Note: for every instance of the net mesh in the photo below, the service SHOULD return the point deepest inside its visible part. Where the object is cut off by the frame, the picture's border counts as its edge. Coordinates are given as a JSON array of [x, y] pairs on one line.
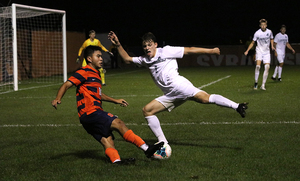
[[39, 48]]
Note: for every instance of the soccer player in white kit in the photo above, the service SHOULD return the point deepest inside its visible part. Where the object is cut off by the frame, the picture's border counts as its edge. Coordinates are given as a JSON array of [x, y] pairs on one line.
[[263, 37], [281, 41], [163, 68]]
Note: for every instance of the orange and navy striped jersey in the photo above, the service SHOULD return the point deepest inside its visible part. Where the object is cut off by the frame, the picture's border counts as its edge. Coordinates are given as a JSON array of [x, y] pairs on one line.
[[88, 93]]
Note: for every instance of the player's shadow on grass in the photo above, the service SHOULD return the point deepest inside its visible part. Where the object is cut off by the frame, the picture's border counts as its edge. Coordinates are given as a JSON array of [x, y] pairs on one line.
[[199, 145], [82, 154]]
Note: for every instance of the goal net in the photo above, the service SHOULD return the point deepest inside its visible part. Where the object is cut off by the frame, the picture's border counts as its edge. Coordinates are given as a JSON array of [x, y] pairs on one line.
[[32, 47]]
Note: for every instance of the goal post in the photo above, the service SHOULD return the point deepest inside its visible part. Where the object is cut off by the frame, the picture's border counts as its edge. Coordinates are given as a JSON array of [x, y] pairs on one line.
[[32, 48]]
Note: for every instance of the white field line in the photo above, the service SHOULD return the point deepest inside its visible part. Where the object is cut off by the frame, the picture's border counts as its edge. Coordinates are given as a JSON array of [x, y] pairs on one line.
[[62, 83], [213, 82], [163, 124]]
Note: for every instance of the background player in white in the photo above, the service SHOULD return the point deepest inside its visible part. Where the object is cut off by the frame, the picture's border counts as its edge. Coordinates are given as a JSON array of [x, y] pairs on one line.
[[263, 37], [281, 41], [163, 67]]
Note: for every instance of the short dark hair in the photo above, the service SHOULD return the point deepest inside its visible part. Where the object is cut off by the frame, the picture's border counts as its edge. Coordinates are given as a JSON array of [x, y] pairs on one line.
[[89, 51], [283, 26], [92, 31], [148, 37], [263, 21]]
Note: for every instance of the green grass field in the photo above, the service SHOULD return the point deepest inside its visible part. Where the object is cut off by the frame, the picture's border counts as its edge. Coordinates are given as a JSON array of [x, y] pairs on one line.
[[208, 142]]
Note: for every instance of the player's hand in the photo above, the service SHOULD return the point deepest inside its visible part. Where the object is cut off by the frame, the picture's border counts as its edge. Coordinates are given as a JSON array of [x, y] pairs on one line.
[[293, 51], [246, 53], [216, 51], [78, 60], [275, 53], [113, 38], [55, 102], [122, 102]]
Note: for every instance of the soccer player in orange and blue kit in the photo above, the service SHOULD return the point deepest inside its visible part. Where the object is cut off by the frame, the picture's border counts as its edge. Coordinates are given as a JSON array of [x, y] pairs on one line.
[[93, 118], [95, 42]]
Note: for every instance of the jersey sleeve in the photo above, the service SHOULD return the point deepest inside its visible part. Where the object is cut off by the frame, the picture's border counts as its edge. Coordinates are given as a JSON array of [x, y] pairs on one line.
[[173, 52], [276, 38], [138, 61], [78, 77], [83, 46], [255, 37], [271, 35]]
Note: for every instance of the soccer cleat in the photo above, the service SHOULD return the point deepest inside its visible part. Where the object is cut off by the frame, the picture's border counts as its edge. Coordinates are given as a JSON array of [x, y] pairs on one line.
[[279, 79], [128, 161], [263, 88], [255, 86], [241, 109], [153, 148], [273, 78]]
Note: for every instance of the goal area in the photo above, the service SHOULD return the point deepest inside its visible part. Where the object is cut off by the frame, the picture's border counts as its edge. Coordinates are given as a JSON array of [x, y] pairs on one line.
[[32, 47]]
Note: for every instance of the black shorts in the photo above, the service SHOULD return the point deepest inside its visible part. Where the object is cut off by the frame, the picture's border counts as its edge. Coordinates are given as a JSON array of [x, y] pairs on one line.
[[98, 124]]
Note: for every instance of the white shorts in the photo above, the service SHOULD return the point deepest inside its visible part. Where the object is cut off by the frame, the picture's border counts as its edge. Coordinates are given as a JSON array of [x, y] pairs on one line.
[[265, 58], [280, 58], [181, 93]]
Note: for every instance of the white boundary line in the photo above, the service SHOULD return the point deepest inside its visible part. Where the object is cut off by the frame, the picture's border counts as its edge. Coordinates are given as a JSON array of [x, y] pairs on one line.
[[62, 82], [201, 87], [163, 124]]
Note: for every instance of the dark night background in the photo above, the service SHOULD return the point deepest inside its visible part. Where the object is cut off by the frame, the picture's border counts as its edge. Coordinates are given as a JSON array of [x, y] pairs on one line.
[[185, 22]]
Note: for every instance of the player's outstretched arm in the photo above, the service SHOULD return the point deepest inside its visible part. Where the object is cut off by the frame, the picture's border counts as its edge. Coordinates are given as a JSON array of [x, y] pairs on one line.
[[198, 50], [114, 39], [61, 92], [122, 102]]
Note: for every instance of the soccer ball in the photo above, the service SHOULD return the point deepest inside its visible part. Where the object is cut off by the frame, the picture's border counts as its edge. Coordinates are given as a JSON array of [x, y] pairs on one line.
[[163, 153]]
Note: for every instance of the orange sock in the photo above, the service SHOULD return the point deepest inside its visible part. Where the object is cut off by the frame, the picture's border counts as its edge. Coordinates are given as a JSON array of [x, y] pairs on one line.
[[112, 154], [133, 138]]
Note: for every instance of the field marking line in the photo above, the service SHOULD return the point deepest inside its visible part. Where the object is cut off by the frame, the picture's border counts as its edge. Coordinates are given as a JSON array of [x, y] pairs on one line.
[[213, 82], [163, 124], [62, 82]]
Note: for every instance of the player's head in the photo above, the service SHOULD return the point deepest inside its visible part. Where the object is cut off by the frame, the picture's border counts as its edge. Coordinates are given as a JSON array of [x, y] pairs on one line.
[[149, 44], [263, 24], [93, 56], [283, 29], [92, 34]]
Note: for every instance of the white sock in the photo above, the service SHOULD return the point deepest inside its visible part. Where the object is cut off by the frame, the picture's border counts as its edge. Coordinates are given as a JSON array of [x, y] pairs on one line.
[[256, 75], [144, 147], [222, 101], [279, 72], [154, 125], [275, 72], [266, 73]]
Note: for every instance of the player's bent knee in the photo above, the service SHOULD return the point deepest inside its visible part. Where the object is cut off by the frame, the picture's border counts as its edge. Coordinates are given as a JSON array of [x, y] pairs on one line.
[[119, 125], [202, 97]]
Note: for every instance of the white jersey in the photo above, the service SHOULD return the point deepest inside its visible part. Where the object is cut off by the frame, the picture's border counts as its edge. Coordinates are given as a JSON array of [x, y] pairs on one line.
[[281, 40], [163, 67], [262, 39]]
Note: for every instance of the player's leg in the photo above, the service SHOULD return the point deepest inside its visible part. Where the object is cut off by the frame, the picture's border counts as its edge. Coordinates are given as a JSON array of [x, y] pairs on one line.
[[275, 73], [110, 150], [280, 71], [281, 62], [150, 111], [203, 97], [102, 75], [129, 136], [256, 73], [266, 61]]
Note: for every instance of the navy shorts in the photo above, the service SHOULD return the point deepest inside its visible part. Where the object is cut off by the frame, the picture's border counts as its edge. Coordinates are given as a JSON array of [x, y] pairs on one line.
[[98, 124]]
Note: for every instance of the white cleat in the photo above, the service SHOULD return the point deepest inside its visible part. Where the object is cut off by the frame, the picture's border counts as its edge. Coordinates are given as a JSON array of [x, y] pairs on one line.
[[263, 87]]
